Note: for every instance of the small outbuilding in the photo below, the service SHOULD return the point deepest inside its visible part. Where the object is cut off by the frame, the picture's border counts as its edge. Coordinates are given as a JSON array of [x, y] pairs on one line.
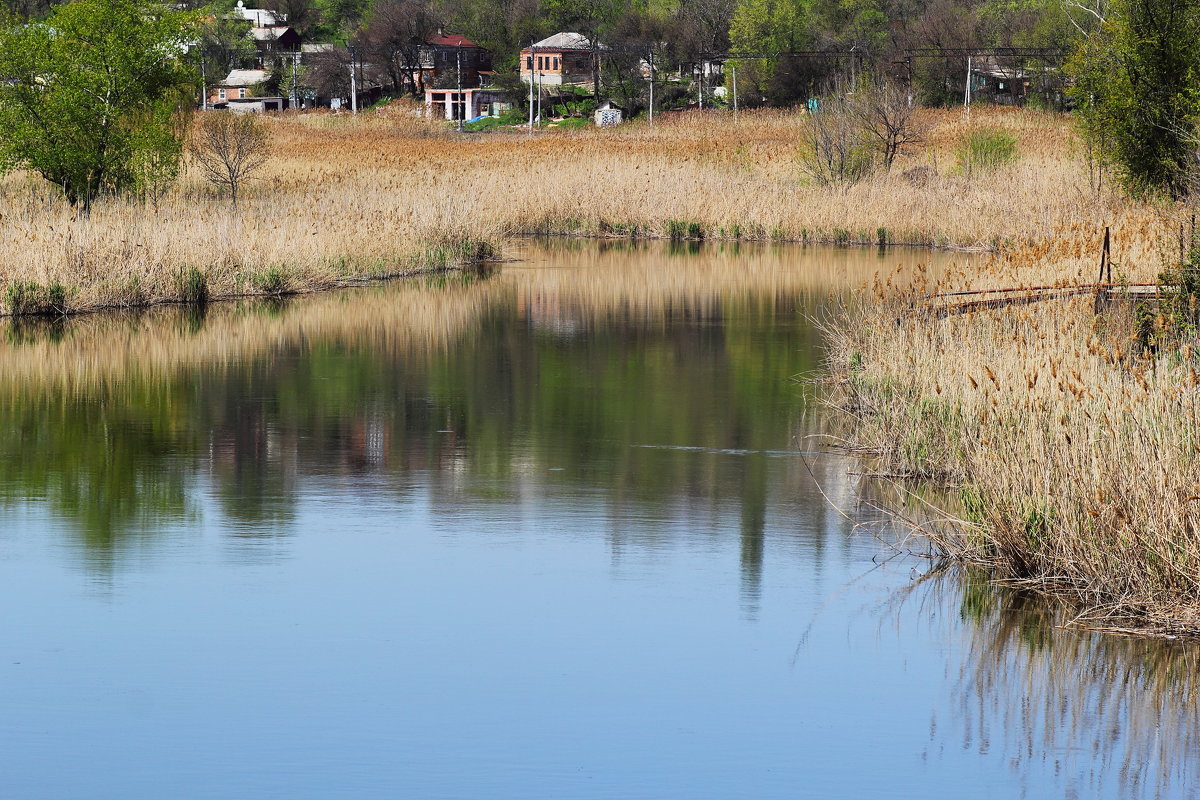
[[609, 114], [238, 85]]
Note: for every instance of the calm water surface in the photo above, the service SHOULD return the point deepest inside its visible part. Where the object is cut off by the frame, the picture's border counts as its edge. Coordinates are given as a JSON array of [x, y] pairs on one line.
[[561, 532]]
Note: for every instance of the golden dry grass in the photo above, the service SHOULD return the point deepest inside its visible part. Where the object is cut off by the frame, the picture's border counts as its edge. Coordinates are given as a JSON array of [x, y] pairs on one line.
[[386, 192], [1073, 455]]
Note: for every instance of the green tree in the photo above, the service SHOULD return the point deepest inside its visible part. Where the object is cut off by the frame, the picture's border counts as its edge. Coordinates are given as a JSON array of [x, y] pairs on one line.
[[766, 26], [86, 90], [1137, 81]]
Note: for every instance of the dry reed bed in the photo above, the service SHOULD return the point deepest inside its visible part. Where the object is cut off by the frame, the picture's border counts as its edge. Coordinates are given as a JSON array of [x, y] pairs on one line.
[[386, 192], [1075, 458]]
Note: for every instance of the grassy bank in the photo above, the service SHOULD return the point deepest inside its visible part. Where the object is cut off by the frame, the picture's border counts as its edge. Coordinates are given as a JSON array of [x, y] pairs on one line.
[[1071, 453], [345, 198]]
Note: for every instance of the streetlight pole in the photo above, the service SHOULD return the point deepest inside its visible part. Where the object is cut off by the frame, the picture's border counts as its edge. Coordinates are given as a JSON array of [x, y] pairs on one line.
[[294, 100], [735, 108]]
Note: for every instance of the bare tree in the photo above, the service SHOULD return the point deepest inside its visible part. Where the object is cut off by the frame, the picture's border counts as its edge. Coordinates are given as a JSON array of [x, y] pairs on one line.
[[230, 148], [888, 117], [394, 39]]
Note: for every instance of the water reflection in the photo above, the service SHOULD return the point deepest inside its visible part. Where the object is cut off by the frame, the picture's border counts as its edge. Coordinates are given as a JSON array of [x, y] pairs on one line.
[[633, 402], [1073, 713], [113, 420]]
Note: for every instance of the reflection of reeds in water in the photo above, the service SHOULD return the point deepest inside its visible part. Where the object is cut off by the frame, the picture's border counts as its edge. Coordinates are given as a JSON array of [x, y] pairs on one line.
[[1107, 716], [411, 318], [645, 281], [416, 317]]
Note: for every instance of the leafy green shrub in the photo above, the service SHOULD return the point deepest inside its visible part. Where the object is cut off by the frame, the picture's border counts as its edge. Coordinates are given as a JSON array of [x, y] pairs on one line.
[[30, 297], [985, 149], [193, 287], [272, 280]]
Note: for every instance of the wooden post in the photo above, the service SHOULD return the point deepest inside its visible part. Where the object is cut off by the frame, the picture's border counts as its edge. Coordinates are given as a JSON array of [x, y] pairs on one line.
[[1104, 262], [1107, 255]]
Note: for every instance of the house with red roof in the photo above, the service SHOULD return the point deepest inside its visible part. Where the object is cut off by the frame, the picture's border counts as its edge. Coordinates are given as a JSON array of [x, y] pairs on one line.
[[450, 60]]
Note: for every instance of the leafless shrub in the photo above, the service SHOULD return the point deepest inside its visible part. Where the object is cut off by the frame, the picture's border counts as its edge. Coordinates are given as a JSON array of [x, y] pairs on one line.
[[229, 149], [834, 147]]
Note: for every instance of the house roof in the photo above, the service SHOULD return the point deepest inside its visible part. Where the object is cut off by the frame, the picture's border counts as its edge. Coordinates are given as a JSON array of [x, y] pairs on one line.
[[450, 40], [244, 77], [567, 41], [269, 34]]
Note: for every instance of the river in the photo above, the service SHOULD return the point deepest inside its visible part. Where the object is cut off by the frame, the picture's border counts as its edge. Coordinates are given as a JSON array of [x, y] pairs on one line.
[[568, 530]]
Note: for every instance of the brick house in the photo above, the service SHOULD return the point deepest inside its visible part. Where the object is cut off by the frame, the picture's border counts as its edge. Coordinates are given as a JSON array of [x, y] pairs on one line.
[[440, 59], [237, 85], [562, 59]]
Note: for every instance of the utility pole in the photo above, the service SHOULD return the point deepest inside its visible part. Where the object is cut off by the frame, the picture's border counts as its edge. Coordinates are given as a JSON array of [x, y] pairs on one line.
[[353, 85], [700, 92], [203, 83], [462, 102], [967, 90], [651, 62], [734, 90], [294, 100], [532, 56]]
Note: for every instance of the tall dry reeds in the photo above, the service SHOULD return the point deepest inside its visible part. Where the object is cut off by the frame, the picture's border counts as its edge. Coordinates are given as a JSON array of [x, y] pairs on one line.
[[1071, 453], [387, 192]]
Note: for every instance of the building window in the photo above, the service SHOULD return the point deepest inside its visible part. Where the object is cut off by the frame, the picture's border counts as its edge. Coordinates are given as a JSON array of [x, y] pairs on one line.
[[529, 63], [220, 94], [556, 62], [241, 93]]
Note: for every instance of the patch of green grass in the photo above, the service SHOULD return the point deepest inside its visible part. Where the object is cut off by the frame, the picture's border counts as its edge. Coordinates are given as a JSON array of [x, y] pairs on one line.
[[30, 297], [193, 287], [272, 281], [985, 149]]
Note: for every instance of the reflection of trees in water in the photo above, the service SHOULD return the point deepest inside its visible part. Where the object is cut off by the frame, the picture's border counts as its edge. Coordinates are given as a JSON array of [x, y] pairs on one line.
[[1108, 716], [453, 387]]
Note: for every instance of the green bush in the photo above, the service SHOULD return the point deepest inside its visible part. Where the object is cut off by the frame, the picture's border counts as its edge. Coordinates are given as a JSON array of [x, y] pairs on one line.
[[30, 297], [985, 149], [272, 280], [193, 287]]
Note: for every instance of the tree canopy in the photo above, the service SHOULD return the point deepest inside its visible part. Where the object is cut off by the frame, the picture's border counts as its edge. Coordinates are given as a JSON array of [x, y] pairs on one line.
[[88, 93]]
